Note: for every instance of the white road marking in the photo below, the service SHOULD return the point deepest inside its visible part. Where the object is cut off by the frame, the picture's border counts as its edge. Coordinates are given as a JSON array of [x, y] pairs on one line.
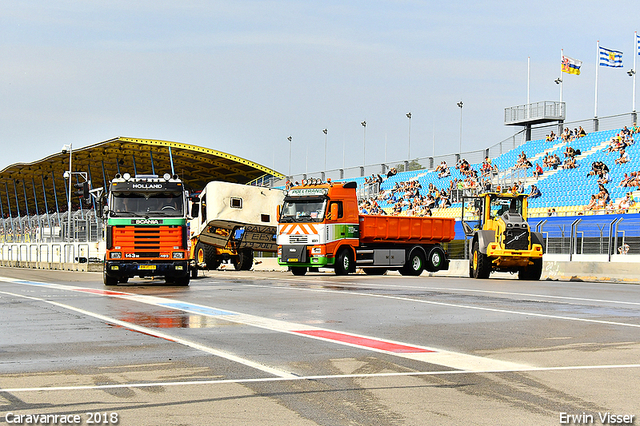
[[457, 305], [323, 377], [162, 335]]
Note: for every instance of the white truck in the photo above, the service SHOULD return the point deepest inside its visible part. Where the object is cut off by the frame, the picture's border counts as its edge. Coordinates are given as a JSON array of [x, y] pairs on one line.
[[230, 222]]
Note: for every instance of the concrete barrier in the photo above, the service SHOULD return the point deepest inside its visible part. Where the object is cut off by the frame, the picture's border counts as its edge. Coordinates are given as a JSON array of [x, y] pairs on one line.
[[622, 269], [566, 270]]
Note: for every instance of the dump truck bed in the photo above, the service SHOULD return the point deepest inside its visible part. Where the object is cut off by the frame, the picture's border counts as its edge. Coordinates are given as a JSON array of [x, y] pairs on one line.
[[406, 229]]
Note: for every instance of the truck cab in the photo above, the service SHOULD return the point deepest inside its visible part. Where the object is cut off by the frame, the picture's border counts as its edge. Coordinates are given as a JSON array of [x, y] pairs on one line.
[[316, 222]]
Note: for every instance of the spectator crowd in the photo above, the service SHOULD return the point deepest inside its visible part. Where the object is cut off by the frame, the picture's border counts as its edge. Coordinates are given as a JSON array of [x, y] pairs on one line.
[[410, 198]]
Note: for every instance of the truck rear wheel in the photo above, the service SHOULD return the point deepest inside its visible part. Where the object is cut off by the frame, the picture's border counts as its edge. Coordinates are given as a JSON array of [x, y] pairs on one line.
[[344, 260], [435, 259], [414, 265], [480, 263], [244, 260], [531, 272]]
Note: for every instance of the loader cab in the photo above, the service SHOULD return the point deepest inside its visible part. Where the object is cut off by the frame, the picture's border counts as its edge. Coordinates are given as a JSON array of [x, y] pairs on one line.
[[492, 211]]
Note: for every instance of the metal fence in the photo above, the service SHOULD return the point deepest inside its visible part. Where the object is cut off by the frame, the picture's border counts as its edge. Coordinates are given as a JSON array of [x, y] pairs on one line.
[[605, 235], [52, 228]]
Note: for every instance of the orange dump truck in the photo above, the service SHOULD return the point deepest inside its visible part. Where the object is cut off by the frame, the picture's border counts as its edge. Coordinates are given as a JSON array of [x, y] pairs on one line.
[[320, 226]]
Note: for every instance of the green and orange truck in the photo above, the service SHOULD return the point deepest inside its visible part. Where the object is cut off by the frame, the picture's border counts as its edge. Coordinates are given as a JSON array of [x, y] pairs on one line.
[[320, 226]]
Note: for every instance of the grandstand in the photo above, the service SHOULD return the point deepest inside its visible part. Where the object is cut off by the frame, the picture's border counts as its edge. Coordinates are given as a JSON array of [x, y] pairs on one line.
[[567, 191]]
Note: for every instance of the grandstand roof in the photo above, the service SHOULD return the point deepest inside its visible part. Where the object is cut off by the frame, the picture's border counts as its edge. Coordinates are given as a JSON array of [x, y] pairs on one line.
[[194, 164]]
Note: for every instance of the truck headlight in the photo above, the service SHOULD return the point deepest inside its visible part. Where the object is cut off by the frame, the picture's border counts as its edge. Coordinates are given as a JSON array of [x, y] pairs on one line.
[[178, 255], [116, 255]]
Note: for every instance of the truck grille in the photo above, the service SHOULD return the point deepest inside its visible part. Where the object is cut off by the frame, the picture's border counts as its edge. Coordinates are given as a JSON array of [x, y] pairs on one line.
[[298, 239], [147, 241], [516, 239]]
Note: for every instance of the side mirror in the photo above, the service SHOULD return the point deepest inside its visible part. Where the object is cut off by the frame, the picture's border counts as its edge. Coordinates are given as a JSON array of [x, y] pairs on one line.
[[467, 229], [278, 212], [195, 209], [100, 207], [334, 211]]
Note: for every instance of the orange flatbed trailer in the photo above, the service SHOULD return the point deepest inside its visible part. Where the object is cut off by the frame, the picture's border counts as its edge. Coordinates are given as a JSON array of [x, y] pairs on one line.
[[406, 229]]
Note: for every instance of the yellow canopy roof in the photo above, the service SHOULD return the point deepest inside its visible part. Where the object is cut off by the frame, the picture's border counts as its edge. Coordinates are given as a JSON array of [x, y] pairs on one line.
[[195, 165]]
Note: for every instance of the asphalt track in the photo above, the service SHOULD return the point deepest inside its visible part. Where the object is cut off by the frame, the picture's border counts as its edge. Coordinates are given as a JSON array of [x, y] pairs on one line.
[[268, 348]]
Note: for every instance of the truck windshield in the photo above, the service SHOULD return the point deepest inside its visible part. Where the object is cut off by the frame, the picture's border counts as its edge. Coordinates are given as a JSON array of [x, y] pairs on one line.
[[139, 204], [303, 211]]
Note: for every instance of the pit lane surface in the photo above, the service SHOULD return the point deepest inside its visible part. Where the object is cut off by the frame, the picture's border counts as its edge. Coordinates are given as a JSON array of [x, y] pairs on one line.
[[271, 348]]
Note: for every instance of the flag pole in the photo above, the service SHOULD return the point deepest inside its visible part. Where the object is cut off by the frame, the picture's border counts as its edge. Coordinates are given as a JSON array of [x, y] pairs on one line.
[[528, 85], [595, 114], [561, 77]]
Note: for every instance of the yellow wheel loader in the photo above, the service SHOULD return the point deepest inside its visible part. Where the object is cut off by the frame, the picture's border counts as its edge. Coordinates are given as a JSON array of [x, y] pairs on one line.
[[501, 239]]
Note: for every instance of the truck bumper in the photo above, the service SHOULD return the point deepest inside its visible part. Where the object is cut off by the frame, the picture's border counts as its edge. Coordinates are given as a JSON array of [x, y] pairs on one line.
[[119, 269], [313, 262]]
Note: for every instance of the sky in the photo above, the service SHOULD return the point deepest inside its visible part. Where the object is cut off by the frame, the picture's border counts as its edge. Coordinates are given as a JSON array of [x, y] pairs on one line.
[[242, 76]]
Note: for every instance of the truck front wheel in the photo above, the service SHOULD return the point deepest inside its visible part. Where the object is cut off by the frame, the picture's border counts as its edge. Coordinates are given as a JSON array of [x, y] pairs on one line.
[[183, 281], [298, 270], [344, 260], [108, 280]]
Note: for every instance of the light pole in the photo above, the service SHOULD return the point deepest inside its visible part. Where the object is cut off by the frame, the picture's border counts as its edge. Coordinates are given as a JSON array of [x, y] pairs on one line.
[[289, 139], [325, 149], [67, 175], [364, 144], [632, 72], [409, 117], [559, 81], [460, 150]]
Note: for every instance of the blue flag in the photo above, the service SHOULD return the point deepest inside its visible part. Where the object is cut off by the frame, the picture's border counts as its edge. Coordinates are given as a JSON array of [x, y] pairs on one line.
[[610, 58]]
